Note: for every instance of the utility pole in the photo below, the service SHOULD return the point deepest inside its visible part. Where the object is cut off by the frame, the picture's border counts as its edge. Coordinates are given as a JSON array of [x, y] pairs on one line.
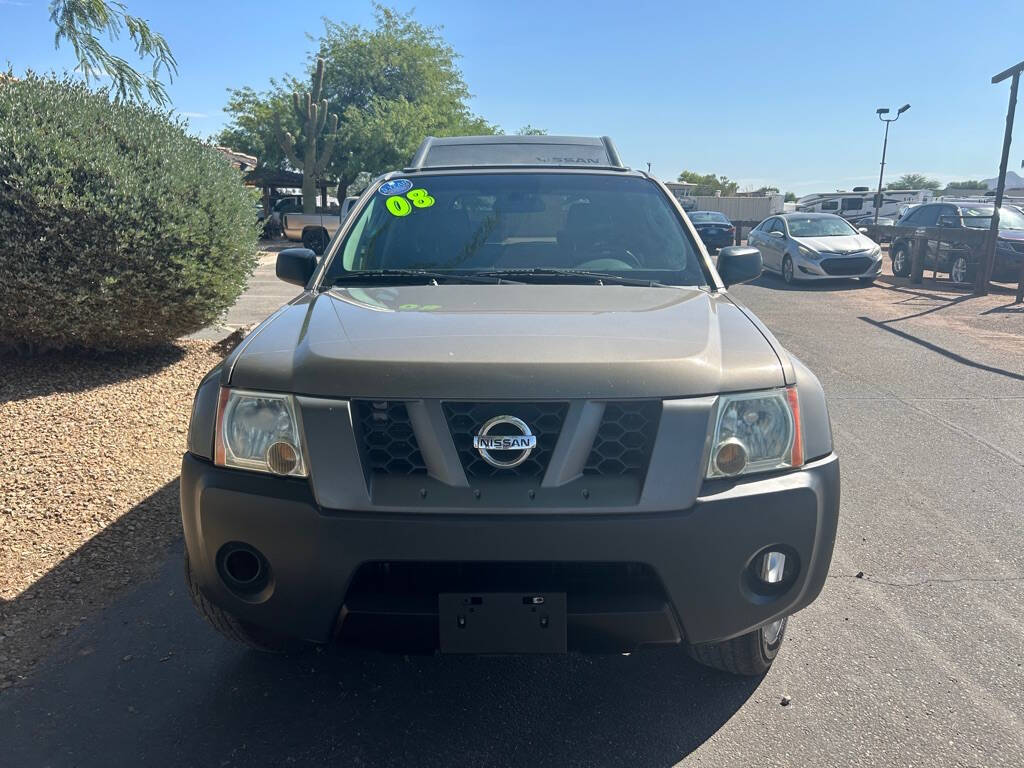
[[988, 260], [885, 144]]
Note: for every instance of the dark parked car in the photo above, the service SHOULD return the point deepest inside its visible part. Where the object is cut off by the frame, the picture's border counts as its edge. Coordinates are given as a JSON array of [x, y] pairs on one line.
[[957, 258], [514, 409], [714, 228]]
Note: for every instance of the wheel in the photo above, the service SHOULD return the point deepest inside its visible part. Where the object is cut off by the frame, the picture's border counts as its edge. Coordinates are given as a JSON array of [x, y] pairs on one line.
[[866, 281], [232, 627], [749, 655], [961, 271], [901, 261], [316, 240], [787, 270]]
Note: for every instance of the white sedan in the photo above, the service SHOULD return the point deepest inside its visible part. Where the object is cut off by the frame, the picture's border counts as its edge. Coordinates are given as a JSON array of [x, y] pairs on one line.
[[815, 246]]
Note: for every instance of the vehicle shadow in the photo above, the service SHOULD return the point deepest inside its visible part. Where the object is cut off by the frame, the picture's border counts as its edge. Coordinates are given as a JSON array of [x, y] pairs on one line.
[[776, 283], [146, 681], [69, 371]]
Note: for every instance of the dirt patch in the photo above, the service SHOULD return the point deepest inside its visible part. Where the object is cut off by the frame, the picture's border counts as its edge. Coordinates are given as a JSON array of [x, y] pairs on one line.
[[88, 499]]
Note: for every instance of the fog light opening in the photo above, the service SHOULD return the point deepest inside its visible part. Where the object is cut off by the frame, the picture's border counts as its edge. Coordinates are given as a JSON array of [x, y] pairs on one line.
[[731, 457], [243, 566], [773, 567]]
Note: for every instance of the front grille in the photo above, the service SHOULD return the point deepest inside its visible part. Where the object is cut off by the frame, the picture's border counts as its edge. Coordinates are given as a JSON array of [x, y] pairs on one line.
[[466, 420], [388, 442], [625, 438], [852, 266]]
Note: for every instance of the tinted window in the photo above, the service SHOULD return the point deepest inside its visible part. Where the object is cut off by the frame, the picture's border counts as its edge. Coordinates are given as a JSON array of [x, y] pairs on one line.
[[704, 216], [830, 205], [519, 221], [927, 216], [853, 203]]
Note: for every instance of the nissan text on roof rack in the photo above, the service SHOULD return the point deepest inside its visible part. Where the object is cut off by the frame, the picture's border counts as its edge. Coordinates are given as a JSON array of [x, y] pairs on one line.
[[514, 410]]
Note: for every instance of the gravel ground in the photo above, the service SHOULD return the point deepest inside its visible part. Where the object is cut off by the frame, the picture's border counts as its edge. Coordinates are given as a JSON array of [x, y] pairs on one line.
[[87, 440]]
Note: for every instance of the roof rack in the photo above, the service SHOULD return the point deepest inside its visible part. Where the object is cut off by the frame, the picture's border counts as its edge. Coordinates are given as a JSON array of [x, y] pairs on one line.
[[516, 151]]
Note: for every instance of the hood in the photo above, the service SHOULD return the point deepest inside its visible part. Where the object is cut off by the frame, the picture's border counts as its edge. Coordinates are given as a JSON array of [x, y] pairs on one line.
[[507, 342], [1014, 235], [841, 244]]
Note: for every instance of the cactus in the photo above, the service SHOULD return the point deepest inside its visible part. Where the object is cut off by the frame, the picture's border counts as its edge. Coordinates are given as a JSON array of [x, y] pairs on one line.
[[312, 113]]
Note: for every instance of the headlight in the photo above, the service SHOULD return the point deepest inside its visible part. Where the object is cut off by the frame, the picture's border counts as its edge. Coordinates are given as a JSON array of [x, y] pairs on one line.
[[808, 253], [756, 432], [875, 252], [258, 431]]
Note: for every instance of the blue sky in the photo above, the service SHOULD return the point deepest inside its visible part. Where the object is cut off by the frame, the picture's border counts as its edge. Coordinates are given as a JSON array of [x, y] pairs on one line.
[[780, 93]]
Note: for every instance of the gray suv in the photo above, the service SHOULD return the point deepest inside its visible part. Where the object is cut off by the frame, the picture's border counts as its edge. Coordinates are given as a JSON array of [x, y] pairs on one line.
[[515, 409]]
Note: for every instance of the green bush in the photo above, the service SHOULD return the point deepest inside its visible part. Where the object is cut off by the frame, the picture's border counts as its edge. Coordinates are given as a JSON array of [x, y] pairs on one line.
[[118, 230]]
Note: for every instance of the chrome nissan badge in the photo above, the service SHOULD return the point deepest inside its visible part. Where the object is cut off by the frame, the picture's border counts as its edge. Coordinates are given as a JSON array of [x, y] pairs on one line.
[[513, 437]]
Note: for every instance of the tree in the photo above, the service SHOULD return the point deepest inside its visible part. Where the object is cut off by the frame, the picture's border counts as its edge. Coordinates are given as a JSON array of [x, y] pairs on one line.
[[311, 110], [914, 181], [973, 185], [789, 198], [392, 85], [529, 130], [82, 22], [709, 184]]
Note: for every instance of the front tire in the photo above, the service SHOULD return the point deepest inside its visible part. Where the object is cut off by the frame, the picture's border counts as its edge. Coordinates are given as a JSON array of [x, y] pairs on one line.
[[787, 271], [231, 626], [749, 655], [901, 261]]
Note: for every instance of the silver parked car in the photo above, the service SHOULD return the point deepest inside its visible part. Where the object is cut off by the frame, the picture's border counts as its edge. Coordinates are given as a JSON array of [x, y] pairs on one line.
[[815, 246]]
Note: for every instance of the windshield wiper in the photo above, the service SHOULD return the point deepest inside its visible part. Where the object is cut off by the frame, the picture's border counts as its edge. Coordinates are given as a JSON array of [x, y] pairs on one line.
[[425, 275], [597, 277]]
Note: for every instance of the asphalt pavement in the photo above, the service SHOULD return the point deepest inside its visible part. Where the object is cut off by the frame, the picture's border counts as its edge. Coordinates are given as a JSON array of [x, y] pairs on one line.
[[911, 656]]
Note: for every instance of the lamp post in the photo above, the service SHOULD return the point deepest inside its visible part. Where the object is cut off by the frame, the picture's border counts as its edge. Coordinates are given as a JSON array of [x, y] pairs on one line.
[[881, 112]]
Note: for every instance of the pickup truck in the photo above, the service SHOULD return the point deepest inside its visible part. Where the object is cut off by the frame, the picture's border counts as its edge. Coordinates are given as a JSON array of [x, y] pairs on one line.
[[315, 230], [515, 409]]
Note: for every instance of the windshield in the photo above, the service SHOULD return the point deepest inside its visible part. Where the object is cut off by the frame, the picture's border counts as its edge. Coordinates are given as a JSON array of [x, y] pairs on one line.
[[819, 226], [702, 216], [981, 218], [494, 222]]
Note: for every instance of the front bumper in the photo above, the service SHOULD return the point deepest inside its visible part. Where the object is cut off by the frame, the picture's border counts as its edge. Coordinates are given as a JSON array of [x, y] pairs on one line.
[[701, 555], [836, 267]]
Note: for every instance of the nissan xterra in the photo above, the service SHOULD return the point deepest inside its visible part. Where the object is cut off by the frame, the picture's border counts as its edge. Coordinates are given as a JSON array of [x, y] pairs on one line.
[[514, 409]]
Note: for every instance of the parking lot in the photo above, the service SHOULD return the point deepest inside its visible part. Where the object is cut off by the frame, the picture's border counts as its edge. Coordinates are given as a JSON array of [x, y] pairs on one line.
[[912, 655]]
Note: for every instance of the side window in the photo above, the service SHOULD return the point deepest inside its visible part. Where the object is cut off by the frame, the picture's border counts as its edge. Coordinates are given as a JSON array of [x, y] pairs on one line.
[[830, 205], [949, 216], [853, 203], [910, 217], [927, 216], [777, 226]]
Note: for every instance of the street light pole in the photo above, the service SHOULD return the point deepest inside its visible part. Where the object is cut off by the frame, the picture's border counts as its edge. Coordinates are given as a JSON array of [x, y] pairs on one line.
[[885, 145]]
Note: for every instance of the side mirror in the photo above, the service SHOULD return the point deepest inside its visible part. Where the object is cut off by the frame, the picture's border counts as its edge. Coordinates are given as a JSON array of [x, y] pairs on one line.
[[864, 230], [296, 265], [739, 264]]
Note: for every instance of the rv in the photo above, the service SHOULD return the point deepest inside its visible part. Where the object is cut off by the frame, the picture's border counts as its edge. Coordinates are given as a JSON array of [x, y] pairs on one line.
[[858, 206]]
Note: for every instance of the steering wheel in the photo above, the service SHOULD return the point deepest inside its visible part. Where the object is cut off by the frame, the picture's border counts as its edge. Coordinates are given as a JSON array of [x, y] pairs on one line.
[[605, 265], [613, 253]]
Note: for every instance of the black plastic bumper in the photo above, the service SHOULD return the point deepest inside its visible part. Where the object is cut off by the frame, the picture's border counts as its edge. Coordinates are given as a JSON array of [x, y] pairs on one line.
[[702, 556]]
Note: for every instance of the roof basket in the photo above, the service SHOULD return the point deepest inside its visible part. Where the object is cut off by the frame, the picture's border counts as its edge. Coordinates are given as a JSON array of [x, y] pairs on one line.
[[513, 151]]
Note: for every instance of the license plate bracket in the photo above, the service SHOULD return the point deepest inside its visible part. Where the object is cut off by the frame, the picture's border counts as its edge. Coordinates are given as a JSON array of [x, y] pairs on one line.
[[502, 622]]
